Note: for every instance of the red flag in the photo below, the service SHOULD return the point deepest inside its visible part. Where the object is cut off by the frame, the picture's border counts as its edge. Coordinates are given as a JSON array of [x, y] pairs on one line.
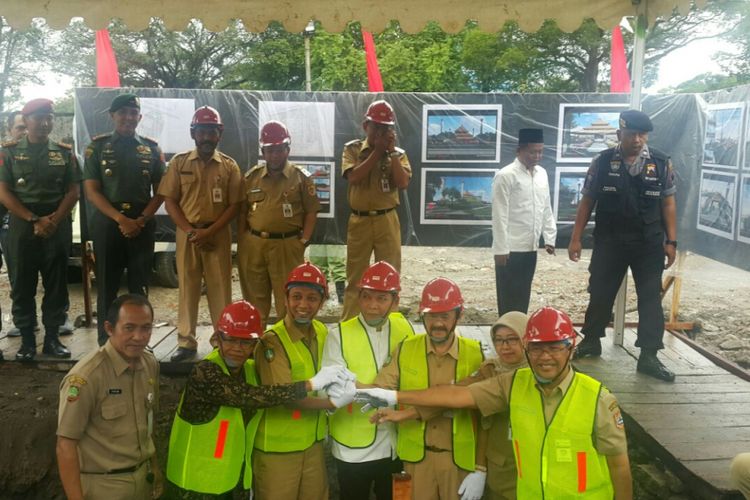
[[106, 63], [620, 79], [374, 80]]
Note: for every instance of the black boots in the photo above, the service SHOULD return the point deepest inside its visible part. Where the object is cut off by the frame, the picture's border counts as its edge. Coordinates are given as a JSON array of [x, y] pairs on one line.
[[649, 364], [590, 347], [53, 347]]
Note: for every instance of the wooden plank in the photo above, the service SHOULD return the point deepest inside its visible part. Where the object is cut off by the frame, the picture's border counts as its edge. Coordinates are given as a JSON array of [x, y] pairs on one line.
[[708, 451], [742, 408], [691, 423], [159, 334], [706, 434], [627, 398], [714, 471], [646, 384]]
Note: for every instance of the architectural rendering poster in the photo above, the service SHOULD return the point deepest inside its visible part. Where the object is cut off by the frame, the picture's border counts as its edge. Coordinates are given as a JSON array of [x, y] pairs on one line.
[[461, 133], [322, 173], [568, 186], [584, 130], [743, 227], [721, 146], [716, 203], [167, 120], [456, 196], [311, 125]]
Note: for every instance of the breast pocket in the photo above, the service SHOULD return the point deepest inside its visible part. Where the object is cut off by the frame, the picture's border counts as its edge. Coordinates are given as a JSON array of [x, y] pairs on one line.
[[255, 195], [113, 413]]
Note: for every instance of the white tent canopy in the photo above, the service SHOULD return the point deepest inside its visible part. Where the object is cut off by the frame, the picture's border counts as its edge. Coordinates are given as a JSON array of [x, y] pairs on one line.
[[334, 14]]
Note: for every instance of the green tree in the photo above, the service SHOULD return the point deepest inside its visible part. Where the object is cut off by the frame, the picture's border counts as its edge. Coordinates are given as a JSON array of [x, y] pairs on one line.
[[21, 53]]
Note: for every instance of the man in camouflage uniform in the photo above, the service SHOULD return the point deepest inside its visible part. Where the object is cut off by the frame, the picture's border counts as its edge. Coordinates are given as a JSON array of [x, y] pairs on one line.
[[39, 186], [121, 170]]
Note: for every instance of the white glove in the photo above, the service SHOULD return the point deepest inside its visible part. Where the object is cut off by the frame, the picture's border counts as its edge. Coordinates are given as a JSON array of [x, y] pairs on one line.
[[472, 487], [376, 398], [328, 375], [343, 395]]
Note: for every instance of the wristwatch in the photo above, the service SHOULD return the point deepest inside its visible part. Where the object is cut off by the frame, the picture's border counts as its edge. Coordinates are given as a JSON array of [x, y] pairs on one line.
[[671, 242], [34, 218], [304, 241]]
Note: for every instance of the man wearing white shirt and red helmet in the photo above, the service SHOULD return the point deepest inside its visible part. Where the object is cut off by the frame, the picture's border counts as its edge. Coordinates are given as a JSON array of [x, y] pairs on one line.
[[521, 213]]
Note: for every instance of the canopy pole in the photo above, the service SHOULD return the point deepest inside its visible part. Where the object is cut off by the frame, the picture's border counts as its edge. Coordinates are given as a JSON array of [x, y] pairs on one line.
[[639, 54]]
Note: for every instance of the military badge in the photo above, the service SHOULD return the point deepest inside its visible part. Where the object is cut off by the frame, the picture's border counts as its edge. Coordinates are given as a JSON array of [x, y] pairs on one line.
[[73, 394], [144, 150], [614, 165], [311, 189], [651, 170], [89, 152]]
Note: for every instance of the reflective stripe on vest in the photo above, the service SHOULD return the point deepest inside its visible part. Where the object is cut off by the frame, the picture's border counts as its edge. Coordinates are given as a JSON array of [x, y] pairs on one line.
[[349, 426], [414, 375], [558, 460], [208, 458], [284, 430]]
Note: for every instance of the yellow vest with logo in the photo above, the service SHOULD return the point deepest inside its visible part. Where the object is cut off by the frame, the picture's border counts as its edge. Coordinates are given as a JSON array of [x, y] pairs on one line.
[[349, 426], [208, 458], [557, 461], [414, 375], [284, 430]]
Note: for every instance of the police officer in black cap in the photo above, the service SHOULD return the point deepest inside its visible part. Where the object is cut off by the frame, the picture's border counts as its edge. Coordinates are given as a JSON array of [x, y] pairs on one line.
[[39, 186], [632, 188], [121, 176]]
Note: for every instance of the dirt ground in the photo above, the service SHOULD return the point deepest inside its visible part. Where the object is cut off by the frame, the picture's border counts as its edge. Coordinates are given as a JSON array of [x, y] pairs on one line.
[[713, 295]]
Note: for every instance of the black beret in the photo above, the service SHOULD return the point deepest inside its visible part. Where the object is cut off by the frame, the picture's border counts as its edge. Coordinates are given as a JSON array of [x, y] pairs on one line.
[[530, 136], [636, 120], [125, 100], [38, 106]]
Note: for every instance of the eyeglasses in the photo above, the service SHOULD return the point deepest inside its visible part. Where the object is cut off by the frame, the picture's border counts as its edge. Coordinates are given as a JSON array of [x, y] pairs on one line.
[[235, 341], [510, 341], [552, 349]]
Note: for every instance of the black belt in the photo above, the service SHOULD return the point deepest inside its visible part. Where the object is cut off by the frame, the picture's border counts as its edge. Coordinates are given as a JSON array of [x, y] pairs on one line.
[[435, 450], [128, 207], [365, 213], [42, 209], [124, 470], [273, 236], [202, 225]]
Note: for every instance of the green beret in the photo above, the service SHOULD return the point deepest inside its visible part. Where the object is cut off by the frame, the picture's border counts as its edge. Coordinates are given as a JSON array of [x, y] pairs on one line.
[[38, 107], [636, 120], [125, 100]]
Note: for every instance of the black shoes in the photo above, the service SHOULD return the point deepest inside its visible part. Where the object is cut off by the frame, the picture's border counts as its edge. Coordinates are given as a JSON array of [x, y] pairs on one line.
[[53, 347], [182, 354], [26, 353], [590, 347], [649, 364]]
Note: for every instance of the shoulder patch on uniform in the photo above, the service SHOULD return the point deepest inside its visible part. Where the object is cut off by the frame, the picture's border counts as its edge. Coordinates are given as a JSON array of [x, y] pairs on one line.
[[64, 145], [302, 169], [9, 144], [352, 143], [102, 136], [252, 170]]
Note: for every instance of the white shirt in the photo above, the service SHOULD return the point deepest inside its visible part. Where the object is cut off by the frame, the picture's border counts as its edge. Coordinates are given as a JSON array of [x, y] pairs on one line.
[[385, 438], [521, 209]]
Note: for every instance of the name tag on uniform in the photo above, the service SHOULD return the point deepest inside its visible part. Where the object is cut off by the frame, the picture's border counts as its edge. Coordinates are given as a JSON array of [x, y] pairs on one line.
[[286, 209], [385, 186], [115, 391], [217, 195]]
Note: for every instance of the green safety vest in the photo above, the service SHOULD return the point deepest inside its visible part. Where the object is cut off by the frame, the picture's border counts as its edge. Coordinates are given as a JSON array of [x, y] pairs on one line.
[[414, 375], [557, 460], [349, 426], [284, 430], [208, 458]]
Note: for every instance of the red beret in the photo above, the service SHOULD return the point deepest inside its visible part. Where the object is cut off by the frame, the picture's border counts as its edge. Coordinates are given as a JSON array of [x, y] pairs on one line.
[[38, 106]]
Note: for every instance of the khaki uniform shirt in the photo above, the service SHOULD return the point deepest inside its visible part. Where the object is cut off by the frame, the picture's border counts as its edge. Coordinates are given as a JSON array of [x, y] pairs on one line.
[[369, 194], [104, 405], [270, 357], [442, 369], [493, 396], [203, 191], [266, 197]]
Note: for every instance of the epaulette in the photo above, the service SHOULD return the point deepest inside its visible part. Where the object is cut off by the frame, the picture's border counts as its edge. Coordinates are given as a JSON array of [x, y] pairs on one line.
[[352, 143], [149, 139], [9, 144], [64, 145], [179, 155], [254, 169], [302, 170], [101, 136], [659, 155]]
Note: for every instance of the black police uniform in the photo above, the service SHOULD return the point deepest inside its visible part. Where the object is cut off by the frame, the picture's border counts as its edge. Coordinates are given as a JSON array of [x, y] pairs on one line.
[[126, 168], [39, 175], [629, 232]]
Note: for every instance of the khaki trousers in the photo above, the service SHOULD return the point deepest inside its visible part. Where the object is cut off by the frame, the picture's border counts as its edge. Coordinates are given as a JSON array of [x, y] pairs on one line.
[[194, 265], [132, 486], [299, 475], [436, 477], [501, 480], [264, 265], [367, 234]]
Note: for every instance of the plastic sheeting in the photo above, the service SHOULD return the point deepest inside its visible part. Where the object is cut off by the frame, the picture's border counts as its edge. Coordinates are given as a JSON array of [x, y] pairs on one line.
[[456, 142], [334, 14]]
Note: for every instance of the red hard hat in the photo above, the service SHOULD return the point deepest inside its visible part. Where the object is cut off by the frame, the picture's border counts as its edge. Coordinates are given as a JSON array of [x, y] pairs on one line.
[[381, 112], [549, 325], [206, 115], [440, 295], [381, 277], [274, 133], [308, 274], [240, 319]]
